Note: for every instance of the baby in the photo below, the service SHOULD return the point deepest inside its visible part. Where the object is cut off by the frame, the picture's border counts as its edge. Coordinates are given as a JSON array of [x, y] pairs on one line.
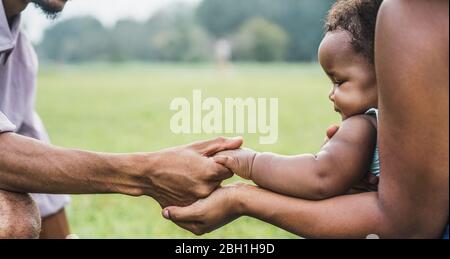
[[347, 57]]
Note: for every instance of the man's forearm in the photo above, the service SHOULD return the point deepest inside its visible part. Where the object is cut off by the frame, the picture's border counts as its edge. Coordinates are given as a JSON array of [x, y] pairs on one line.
[[27, 165], [352, 216]]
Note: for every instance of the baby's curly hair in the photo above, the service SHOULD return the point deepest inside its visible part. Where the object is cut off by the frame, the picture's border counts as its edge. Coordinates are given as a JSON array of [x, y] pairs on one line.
[[359, 18]]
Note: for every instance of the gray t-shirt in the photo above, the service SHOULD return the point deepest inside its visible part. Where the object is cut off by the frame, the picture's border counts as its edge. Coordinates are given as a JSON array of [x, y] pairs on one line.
[[18, 71]]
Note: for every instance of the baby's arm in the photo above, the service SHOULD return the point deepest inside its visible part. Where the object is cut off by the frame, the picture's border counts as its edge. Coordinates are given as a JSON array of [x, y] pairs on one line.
[[342, 162]]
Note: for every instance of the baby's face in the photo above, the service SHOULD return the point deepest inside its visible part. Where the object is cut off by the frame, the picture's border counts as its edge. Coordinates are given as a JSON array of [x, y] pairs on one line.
[[354, 81]]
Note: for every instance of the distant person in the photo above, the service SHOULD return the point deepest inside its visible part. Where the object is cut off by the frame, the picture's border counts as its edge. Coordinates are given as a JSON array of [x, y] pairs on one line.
[[309, 192], [223, 53], [28, 164]]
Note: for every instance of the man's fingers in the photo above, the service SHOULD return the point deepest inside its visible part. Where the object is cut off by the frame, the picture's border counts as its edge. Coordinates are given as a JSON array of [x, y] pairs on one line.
[[180, 214], [222, 144], [211, 147]]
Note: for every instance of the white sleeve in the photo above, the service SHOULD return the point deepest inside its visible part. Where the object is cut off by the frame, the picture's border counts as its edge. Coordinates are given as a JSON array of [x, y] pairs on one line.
[[5, 124]]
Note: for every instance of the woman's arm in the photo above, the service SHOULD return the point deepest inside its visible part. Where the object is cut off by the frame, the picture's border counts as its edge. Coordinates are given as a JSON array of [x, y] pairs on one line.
[[412, 64], [352, 216]]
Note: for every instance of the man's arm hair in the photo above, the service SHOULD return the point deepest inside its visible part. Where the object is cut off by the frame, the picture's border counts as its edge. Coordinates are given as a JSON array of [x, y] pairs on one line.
[[173, 176], [30, 166]]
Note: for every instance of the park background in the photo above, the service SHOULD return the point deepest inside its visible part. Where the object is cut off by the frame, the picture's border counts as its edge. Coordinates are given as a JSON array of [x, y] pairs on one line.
[[108, 75]]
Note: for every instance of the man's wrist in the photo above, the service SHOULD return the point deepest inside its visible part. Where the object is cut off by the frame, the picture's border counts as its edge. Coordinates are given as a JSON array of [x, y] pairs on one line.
[[131, 174]]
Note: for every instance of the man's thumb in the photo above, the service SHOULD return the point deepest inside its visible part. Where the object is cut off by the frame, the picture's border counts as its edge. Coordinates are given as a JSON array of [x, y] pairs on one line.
[[166, 213], [177, 214]]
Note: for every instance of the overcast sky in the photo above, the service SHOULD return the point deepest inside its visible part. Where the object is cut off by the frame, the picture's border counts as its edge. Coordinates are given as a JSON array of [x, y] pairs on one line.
[[107, 11]]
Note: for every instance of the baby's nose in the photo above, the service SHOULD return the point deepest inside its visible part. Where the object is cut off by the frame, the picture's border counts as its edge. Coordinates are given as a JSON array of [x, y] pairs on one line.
[[331, 95]]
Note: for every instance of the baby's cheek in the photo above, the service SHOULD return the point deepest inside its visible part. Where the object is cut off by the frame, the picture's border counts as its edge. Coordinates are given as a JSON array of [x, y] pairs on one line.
[[347, 106], [341, 101]]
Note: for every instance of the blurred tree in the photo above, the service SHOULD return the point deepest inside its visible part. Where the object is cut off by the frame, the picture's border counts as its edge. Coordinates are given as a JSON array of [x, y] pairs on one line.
[[181, 32], [176, 36], [260, 40], [129, 41], [301, 19], [77, 39], [222, 18], [172, 34]]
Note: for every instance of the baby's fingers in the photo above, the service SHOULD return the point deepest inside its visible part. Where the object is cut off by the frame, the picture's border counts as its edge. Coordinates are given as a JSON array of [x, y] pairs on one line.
[[226, 161], [233, 165]]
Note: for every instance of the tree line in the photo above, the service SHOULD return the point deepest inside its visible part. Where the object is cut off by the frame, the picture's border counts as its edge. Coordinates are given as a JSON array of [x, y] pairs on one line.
[[257, 30]]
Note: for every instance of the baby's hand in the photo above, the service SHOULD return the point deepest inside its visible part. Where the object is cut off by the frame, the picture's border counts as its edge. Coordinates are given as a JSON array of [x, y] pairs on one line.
[[239, 161]]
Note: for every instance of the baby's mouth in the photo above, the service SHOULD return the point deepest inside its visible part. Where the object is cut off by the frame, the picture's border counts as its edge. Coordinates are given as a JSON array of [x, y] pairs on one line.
[[336, 109], [340, 113]]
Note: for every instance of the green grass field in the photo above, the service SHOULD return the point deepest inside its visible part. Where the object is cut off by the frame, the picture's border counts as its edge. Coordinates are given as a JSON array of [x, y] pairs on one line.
[[125, 108]]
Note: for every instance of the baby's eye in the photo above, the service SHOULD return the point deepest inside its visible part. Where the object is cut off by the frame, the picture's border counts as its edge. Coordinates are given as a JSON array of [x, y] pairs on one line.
[[338, 83]]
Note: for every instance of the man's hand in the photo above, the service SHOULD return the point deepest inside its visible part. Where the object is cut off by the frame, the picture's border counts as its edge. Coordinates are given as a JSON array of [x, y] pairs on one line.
[[175, 176], [208, 214], [239, 161], [185, 174]]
